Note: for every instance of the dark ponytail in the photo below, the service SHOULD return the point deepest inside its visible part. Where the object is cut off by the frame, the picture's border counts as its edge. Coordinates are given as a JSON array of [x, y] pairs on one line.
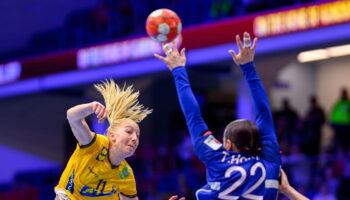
[[245, 135]]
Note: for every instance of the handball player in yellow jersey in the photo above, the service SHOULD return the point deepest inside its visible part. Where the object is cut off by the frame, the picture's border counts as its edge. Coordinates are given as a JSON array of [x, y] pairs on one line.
[[97, 169]]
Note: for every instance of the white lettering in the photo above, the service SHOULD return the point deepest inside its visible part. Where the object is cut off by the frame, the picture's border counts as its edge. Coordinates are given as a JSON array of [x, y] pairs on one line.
[[243, 159], [234, 159], [225, 154], [237, 159], [215, 185], [118, 52], [302, 18]]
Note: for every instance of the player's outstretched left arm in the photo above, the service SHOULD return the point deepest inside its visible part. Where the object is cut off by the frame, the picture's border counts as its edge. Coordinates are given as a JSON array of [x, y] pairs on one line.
[[263, 116], [176, 62]]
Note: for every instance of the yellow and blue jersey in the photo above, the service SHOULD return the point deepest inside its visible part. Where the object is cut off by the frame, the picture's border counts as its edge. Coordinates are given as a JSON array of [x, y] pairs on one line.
[[233, 175], [90, 174]]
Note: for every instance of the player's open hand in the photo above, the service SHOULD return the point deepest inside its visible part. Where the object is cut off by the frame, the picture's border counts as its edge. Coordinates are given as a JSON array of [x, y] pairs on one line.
[[173, 58], [100, 111], [246, 50], [175, 197]]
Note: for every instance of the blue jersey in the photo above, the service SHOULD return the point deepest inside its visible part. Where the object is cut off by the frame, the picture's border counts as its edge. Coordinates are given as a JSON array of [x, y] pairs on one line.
[[233, 175]]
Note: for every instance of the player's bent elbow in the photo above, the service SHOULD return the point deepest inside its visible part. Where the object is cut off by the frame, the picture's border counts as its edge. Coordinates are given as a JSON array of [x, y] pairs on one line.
[[70, 115]]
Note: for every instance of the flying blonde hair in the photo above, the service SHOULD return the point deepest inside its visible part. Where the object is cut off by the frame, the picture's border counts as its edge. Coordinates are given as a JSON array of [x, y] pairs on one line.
[[121, 103]]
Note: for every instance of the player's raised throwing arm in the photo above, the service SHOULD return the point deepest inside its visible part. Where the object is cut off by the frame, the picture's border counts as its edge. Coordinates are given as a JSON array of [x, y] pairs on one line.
[[76, 117], [263, 115], [176, 62]]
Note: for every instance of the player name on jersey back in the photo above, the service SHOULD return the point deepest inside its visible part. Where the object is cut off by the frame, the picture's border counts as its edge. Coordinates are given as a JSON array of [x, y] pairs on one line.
[[237, 158]]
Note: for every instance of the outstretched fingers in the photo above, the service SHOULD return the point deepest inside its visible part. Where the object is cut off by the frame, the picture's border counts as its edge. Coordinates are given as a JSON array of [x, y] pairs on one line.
[[183, 52], [167, 48], [239, 42], [246, 40], [234, 55], [173, 44], [254, 44], [159, 57]]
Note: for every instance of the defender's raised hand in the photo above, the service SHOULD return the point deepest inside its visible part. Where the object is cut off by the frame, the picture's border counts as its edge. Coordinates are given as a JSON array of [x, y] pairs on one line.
[[246, 50], [173, 58]]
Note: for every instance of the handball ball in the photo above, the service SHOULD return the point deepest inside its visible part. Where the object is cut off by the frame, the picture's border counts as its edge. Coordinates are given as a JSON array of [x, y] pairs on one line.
[[163, 25]]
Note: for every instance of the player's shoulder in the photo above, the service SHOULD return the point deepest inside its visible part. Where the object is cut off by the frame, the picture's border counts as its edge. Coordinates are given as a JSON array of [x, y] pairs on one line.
[[209, 140], [125, 163], [271, 164], [102, 139], [99, 145], [125, 170]]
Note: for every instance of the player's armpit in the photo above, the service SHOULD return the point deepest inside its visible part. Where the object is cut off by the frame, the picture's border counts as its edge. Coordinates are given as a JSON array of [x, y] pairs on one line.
[[81, 131], [91, 143]]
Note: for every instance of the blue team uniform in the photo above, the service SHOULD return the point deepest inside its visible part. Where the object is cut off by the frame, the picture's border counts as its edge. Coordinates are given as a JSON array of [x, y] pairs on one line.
[[233, 175]]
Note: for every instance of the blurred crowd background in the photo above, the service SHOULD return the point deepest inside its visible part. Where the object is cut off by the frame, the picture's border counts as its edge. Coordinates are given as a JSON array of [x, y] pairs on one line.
[[107, 20], [315, 142]]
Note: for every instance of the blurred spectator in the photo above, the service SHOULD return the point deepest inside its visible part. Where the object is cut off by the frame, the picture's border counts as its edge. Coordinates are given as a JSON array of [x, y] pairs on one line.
[[221, 9], [70, 143], [332, 180], [344, 183], [192, 12], [314, 120], [76, 29], [324, 194], [120, 18], [185, 149], [111, 19], [340, 120], [151, 192], [279, 3], [286, 121], [254, 5], [141, 10], [298, 167]]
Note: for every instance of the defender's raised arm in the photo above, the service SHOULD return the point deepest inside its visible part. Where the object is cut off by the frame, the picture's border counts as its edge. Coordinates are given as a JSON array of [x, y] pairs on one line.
[[263, 114], [176, 62]]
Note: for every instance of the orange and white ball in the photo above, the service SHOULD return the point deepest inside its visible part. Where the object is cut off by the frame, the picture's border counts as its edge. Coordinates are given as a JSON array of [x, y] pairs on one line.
[[163, 25]]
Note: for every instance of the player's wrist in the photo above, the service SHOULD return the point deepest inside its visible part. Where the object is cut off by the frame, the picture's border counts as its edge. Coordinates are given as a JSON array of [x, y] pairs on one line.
[[172, 68], [246, 65]]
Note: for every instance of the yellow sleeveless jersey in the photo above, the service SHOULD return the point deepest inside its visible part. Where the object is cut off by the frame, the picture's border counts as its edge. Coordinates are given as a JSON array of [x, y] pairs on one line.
[[90, 175]]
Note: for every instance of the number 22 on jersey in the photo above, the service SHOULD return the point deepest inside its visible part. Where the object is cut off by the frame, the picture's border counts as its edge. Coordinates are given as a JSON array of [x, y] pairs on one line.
[[247, 194]]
